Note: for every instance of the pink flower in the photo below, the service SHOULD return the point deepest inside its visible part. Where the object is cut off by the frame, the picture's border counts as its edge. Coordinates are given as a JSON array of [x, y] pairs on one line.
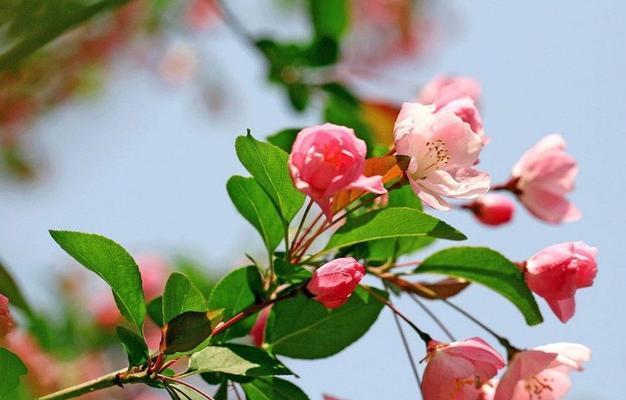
[[492, 209], [543, 177], [456, 371], [257, 333], [179, 64], [443, 90], [333, 283], [326, 159], [556, 272], [6, 322], [443, 150], [542, 373]]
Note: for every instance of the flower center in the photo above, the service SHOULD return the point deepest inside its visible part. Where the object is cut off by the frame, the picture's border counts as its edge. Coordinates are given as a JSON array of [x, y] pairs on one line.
[[536, 385], [435, 157]]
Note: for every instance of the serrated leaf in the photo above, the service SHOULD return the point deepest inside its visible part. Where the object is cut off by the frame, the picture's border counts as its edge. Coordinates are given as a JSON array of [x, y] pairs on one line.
[[254, 204], [113, 264], [11, 369], [303, 328], [180, 296], [400, 222], [272, 388], [9, 288], [235, 359], [489, 268], [268, 165], [187, 331], [233, 293], [135, 347]]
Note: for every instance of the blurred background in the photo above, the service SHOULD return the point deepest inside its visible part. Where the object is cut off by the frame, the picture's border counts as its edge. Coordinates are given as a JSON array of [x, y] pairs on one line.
[[126, 128]]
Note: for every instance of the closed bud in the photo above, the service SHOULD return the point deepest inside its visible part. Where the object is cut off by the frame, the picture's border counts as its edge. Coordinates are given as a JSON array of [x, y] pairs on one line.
[[333, 283]]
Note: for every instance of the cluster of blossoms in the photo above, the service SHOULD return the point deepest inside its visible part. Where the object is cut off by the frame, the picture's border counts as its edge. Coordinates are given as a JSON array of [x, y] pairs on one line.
[[442, 136]]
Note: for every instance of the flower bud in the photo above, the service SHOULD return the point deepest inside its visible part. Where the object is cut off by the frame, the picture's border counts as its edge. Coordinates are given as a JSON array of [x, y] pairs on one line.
[[326, 159], [333, 283], [6, 322], [555, 273], [492, 209]]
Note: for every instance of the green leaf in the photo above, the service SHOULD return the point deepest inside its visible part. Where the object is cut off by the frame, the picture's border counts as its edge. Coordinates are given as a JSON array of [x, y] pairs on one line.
[[299, 95], [489, 268], [185, 393], [385, 249], [235, 359], [303, 328], [268, 165], [11, 369], [197, 273], [290, 273], [180, 296], [187, 331], [113, 264], [135, 347], [222, 392], [397, 222], [285, 138], [155, 311], [272, 388], [329, 18], [27, 25], [9, 288], [233, 293], [255, 205]]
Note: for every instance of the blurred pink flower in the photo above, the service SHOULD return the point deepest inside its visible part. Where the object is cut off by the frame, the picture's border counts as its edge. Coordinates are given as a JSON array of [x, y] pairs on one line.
[[179, 64], [6, 322], [202, 14], [492, 209], [459, 369], [556, 272], [542, 373], [333, 283], [543, 177], [443, 150], [326, 159]]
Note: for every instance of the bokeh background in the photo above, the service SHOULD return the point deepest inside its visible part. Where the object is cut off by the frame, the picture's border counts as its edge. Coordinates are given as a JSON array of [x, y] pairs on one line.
[[146, 162]]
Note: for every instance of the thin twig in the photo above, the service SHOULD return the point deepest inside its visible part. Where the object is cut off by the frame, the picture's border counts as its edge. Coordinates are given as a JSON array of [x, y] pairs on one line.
[[295, 237], [434, 317], [407, 350], [190, 386]]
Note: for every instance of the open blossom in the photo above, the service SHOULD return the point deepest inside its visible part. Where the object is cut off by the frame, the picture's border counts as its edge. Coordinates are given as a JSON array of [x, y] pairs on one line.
[[6, 322], [458, 370], [326, 159], [543, 177], [332, 284], [542, 373], [443, 150], [556, 272], [443, 89], [492, 209]]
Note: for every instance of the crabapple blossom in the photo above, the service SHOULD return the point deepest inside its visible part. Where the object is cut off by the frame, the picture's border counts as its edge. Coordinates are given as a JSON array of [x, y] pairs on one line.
[[328, 158], [542, 373], [443, 90], [556, 272], [443, 150], [333, 283], [458, 370], [543, 177], [6, 322]]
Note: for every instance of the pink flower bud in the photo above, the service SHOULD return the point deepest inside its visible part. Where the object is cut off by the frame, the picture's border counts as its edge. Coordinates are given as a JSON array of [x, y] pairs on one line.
[[542, 373], [6, 322], [326, 159], [543, 177], [257, 333], [555, 273], [333, 283], [492, 209], [443, 90], [458, 370]]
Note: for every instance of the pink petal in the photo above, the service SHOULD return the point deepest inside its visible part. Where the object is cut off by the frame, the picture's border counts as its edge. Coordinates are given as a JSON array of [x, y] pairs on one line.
[[564, 309], [372, 184]]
